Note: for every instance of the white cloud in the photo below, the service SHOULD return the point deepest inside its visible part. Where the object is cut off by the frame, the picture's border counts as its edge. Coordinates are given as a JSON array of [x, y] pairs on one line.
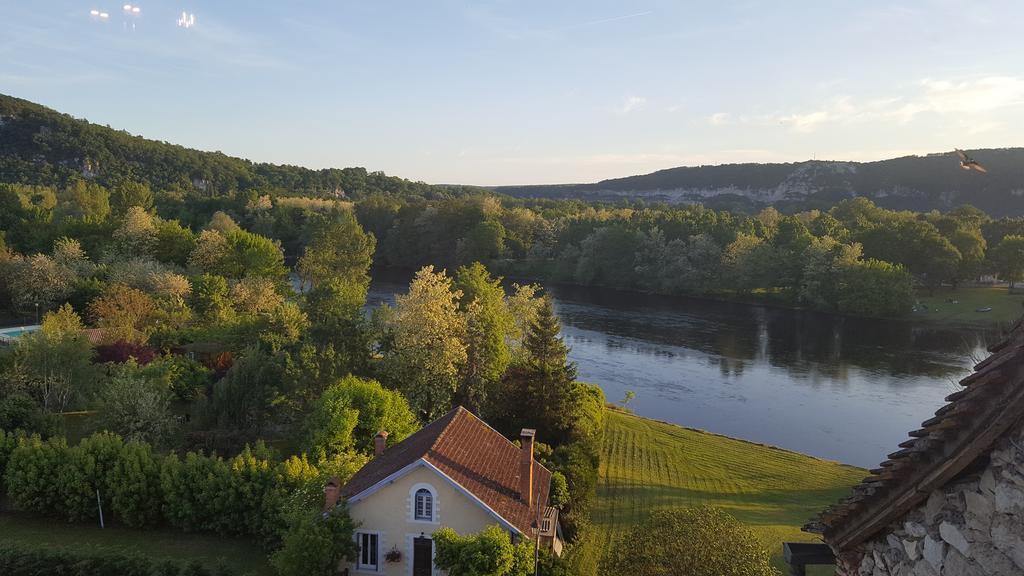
[[720, 119], [971, 104], [632, 104]]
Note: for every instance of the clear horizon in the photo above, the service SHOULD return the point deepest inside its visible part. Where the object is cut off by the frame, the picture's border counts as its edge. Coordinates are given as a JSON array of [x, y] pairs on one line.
[[498, 93]]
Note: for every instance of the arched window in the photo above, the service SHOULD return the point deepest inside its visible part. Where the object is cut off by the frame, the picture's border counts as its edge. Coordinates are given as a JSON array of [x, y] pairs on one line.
[[424, 505]]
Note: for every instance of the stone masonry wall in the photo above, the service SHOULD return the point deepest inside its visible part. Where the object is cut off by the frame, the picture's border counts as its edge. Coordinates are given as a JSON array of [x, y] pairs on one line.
[[971, 527]]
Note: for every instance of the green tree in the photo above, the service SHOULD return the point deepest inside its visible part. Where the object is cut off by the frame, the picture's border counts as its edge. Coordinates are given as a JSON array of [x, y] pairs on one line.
[[746, 263], [523, 305], [689, 542], [315, 544], [58, 360], [351, 412], [488, 553], [484, 241], [136, 407], [423, 343], [607, 258], [223, 223], [338, 331], [1008, 259], [250, 254], [210, 253], [874, 288], [340, 251], [542, 390], [123, 313], [918, 246], [174, 243], [971, 245], [84, 200], [136, 236], [126, 195], [245, 398], [488, 325], [36, 283], [210, 298]]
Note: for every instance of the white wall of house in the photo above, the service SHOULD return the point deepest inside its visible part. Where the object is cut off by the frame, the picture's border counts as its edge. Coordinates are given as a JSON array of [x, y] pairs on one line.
[[389, 513]]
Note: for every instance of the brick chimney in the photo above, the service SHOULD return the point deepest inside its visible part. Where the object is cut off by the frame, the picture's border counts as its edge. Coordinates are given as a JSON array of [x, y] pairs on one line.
[[332, 492], [380, 442], [526, 466]]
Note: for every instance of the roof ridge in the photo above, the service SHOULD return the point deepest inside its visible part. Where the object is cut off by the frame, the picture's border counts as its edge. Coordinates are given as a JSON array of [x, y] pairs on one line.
[[459, 409], [454, 413]]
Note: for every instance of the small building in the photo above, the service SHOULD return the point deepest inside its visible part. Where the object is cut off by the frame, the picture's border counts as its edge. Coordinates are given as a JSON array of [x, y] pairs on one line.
[[456, 472], [951, 500]]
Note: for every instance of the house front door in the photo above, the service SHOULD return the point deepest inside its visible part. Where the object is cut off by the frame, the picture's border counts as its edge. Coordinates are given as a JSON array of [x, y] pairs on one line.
[[422, 556]]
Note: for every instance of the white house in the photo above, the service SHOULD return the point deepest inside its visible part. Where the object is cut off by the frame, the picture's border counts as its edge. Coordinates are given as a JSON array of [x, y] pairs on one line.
[[457, 472]]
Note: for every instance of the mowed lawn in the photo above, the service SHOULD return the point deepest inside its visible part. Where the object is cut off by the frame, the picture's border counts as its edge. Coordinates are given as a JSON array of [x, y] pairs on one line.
[[244, 556], [649, 465], [1006, 307]]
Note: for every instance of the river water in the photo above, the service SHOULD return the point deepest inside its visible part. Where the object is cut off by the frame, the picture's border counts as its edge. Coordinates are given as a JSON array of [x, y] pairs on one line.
[[838, 388]]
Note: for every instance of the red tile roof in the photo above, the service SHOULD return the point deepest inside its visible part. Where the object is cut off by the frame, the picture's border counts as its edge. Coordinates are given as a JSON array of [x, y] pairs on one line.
[[472, 454], [962, 431]]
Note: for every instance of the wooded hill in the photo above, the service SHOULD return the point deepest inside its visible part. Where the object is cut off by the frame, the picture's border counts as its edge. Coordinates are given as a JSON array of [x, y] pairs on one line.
[[918, 183], [41, 146]]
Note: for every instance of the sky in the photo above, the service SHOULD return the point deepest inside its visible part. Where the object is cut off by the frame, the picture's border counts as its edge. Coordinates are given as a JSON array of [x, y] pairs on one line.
[[496, 92]]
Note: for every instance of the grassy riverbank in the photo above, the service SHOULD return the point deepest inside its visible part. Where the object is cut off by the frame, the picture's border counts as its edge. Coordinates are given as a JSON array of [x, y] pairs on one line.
[[961, 306], [648, 465], [168, 544]]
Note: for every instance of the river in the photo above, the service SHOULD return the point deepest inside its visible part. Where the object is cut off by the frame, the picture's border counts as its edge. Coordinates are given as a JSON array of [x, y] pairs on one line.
[[838, 388]]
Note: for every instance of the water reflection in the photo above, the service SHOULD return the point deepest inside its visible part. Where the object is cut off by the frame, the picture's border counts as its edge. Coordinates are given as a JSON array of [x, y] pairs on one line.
[[839, 388]]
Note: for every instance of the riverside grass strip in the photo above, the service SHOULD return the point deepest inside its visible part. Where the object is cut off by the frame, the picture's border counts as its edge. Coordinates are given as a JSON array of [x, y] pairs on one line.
[[648, 465]]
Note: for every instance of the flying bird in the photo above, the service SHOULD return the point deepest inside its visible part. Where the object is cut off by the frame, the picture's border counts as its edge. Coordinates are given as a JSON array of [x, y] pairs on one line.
[[968, 163]]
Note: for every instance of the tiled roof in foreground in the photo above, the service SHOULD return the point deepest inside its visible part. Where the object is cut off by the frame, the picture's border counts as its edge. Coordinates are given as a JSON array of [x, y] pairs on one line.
[[472, 454], [961, 433]]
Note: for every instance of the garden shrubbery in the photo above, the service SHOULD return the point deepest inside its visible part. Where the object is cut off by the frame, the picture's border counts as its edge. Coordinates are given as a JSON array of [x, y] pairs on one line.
[[244, 495]]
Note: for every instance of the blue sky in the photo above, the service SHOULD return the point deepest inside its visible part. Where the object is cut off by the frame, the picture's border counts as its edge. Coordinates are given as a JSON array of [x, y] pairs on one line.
[[518, 92]]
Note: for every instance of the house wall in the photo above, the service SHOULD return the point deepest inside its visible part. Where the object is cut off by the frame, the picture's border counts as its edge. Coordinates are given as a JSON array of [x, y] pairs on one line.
[[389, 512], [972, 527]]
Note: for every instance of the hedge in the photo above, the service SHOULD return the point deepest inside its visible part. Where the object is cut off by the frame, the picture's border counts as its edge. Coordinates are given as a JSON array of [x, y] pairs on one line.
[[24, 561], [246, 495]]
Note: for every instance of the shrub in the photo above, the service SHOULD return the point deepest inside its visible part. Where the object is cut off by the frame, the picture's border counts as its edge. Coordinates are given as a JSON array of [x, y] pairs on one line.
[[183, 376], [488, 553], [578, 463], [315, 543], [136, 407], [559, 493], [193, 489], [134, 486], [33, 475], [249, 494], [689, 541], [19, 411], [89, 467], [8, 442]]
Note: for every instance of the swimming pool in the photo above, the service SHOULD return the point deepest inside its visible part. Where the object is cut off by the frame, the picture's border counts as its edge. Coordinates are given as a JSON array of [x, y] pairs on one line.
[[9, 334]]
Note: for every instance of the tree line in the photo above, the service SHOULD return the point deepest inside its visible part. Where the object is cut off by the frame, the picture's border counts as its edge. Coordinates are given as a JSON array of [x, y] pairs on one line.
[[206, 340], [855, 258]]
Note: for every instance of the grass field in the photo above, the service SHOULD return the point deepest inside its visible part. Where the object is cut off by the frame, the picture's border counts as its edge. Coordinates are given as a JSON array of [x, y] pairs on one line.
[[649, 465], [164, 544], [1006, 307]]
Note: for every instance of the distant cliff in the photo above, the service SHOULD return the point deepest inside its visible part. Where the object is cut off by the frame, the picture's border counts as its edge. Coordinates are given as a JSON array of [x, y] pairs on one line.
[[919, 183]]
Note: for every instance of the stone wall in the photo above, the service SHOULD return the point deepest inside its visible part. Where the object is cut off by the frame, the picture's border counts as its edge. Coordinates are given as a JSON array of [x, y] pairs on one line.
[[974, 526]]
